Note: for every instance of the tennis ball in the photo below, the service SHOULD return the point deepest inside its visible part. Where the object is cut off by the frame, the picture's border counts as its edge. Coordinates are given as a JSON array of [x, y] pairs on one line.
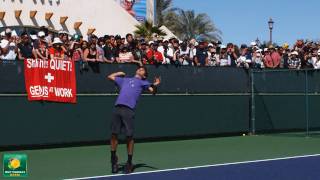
[[243, 134], [14, 163]]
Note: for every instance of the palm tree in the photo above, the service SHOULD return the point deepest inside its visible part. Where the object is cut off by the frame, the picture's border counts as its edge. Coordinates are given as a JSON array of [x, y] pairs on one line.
[[189, 25], [148, 31], [163, 7]]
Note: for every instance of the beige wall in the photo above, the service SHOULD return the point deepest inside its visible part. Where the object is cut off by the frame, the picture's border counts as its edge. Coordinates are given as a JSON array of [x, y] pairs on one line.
[[104, 15]]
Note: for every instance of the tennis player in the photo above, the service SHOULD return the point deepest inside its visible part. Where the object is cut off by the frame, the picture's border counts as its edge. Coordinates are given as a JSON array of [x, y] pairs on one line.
[[124, 112]]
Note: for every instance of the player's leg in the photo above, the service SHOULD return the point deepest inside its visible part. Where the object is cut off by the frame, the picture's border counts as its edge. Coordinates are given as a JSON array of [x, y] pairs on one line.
[[128, 121], [115, 130], [130, 146]]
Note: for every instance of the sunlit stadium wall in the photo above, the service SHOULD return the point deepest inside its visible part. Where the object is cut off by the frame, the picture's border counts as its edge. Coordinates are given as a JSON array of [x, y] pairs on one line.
[[74, 16]]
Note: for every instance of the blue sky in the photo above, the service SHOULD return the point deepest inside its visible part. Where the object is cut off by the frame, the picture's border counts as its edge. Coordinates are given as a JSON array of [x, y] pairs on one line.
[[242, 21]]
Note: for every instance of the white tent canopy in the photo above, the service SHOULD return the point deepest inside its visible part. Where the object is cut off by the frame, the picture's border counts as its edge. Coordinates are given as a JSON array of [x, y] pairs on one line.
[[105, 16]]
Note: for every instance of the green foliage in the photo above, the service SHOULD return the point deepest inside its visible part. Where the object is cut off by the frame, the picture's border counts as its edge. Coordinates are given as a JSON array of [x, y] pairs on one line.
[[186, 24], [147, 30]]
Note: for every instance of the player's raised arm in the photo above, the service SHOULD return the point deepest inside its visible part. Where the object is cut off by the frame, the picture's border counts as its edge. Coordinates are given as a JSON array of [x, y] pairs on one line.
[[153, 88], [113, 76]]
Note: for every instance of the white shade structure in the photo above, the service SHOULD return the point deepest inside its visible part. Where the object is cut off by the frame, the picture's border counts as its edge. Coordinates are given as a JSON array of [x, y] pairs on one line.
[[105, 16]]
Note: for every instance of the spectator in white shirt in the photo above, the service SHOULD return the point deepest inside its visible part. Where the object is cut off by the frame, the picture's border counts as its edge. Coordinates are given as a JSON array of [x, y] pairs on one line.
[[224, 60], [213, 56], [257, 59]]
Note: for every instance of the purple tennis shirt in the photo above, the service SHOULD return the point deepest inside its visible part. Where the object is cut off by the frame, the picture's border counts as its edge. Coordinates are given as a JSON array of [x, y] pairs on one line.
[[130, 90]]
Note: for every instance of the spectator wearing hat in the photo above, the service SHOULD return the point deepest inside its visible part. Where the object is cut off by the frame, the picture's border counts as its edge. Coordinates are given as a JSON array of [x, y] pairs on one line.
[[25, 48], [42, 51], [213, 56], [166, 51], [294, 61], [11, 53], [41, 46], [5, 42], [284, 54], [56, 51], [257, 59], [316, 60], [225, 60], [272, 58], [245, 57]]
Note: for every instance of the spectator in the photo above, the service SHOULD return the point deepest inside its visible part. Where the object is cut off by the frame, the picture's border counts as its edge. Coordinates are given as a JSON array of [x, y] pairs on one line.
[[139, 53], [167, 52], [245, 58], [25, 48], [41, 46], [42, 52], [257, 59], [201, 58], [213, 56], [272, 58], [109, 49], [232, 54], [113, 49], [182, 55], [56, 51], [5, 42], [100, 45], [90, 54], [75, 49], [125, 56], [294, 61], [284, 53], [153, 55], [130, 43], [316, 60], [11, 52], [225, 60]]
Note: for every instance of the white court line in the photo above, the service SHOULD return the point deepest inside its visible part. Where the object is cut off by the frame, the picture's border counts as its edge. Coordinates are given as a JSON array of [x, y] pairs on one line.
[[196, 167]]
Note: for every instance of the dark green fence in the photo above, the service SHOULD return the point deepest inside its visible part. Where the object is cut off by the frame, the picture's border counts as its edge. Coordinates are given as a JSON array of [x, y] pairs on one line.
[[285, 100], [191, 102]]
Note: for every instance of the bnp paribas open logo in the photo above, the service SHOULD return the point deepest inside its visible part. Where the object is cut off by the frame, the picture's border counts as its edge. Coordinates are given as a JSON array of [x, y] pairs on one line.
[[15, 165]]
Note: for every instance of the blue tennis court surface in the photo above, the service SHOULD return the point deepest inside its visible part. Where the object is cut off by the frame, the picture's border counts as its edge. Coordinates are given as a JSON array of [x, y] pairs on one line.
[[291, 168]]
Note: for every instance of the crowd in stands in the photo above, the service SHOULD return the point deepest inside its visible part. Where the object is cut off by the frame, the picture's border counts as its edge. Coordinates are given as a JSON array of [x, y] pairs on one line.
[[116, 49]]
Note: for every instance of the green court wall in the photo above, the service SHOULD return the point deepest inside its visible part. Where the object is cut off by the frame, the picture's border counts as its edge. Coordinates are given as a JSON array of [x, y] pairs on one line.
[[43, 123]]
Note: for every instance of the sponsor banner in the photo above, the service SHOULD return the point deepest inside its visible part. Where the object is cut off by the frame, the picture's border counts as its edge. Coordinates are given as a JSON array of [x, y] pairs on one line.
[[50, 80], [136, 8]]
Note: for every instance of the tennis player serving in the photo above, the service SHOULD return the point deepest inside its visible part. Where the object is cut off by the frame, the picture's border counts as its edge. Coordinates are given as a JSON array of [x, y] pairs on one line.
[[124, 112]]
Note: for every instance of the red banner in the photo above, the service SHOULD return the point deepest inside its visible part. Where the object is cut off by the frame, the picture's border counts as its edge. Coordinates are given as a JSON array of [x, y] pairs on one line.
[[50, 80]]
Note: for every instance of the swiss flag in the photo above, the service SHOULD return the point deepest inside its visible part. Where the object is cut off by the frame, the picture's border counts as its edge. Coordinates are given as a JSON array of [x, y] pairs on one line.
[[50, 80]]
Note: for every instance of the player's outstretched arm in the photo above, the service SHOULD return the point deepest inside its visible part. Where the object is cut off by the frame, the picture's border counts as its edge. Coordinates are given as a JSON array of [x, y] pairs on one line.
[[153, 88], [113, 76]]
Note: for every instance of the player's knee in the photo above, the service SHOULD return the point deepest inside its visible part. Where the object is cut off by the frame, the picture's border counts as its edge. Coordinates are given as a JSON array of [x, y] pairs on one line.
[[114, 136], [129, 138]]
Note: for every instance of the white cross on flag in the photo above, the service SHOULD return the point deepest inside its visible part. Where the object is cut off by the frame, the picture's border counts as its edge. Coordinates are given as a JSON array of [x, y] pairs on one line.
[[50, 80]]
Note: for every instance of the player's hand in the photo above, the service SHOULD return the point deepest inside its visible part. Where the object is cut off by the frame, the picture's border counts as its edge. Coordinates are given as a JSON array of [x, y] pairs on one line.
[[157, 81]]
